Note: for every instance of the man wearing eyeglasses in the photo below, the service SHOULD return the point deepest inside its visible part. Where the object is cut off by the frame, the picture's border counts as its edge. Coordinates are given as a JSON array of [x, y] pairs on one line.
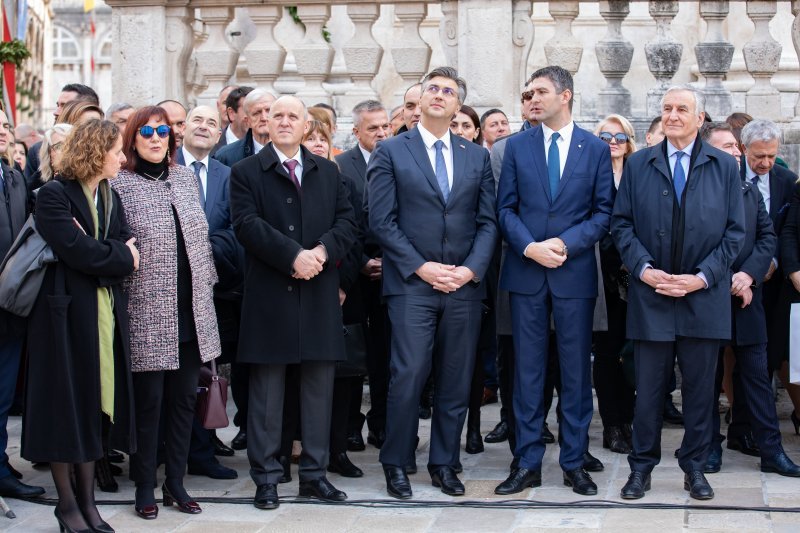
[[431, 210], [554, 203]]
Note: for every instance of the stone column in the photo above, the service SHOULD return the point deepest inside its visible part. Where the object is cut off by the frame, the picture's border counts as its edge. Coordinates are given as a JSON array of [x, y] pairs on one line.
[[522, 38], [448, 32], [663, 53], [133, 64], [563, 48], [714, 57], [180, 41], [614, 55], [762, 55], [410, 54], [313, 55], [216, 60], [362, 54], [263, 54]]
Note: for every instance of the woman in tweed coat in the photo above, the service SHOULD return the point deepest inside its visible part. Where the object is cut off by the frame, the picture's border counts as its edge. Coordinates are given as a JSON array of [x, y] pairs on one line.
[[173, 327]]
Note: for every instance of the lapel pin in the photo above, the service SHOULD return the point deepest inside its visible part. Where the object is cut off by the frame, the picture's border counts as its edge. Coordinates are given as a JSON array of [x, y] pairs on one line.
[[579, 146], [462, 146]]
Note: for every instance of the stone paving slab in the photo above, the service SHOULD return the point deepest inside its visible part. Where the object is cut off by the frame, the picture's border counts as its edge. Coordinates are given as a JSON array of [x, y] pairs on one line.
[[739, 484]]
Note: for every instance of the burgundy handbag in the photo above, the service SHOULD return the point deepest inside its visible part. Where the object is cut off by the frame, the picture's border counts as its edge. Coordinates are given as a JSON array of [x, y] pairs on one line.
[[212, 397]]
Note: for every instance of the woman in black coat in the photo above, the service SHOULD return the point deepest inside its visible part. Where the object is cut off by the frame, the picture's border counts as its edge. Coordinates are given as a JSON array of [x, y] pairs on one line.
[[78, 378]]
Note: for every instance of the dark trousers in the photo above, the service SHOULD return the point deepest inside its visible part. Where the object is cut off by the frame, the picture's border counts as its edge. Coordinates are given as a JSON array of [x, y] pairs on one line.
[[697, 359], [505, 375], [10, 354], [378, 342], [615, 397], [530, 315], [487, 344], [342, 412], [754, 402], [174, 392], [264, 426], [436, 332], [240, 392]]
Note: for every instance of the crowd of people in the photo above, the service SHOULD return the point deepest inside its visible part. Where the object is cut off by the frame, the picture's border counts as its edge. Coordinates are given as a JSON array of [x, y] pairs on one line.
[[444, 258]]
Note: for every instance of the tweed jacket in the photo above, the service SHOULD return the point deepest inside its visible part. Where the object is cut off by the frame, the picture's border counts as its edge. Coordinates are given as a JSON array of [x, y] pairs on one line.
[[153, 289]]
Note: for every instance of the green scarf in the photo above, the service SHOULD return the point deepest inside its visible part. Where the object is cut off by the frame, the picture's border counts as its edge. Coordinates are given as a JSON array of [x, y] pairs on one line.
[[105, 310]]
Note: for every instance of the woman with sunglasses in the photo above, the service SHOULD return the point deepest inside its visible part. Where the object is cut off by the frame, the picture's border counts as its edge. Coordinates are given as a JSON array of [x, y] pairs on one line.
[[615, 395], [78, 373], [173, 326]]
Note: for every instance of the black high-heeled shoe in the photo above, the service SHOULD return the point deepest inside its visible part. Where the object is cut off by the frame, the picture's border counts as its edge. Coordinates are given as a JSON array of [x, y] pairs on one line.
[[795, 423], [63, 527], [189, 506]]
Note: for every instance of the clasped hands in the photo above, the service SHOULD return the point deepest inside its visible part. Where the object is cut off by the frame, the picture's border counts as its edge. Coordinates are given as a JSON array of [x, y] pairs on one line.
[[445, 278], [675, 285], [741, 284], [309, 263], [549, 253]]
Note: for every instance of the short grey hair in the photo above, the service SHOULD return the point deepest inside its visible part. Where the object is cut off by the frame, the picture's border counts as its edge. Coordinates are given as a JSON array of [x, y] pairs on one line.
[[116, 108], [451, 74], [254, 96], [367, 106], [697, 94], [760, 130]]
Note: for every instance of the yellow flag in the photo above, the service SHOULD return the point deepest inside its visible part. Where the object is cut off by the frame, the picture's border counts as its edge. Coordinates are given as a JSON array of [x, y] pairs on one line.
[[88, 5]]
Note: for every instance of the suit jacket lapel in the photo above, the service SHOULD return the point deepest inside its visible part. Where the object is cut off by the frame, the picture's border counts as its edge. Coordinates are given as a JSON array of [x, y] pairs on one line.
[[418, 151], [359, 163], [540, 161], [574, 153], [458, 146], [78, 199], [659, 160]]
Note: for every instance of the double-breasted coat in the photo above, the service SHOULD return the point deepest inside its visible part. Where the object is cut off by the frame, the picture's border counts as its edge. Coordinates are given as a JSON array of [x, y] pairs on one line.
[[63, 416], [286, 320]]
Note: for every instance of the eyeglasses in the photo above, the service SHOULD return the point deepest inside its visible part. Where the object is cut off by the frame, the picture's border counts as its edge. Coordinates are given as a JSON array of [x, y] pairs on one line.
[[527, 96], [606, 136], [148, 131], [446, 91]]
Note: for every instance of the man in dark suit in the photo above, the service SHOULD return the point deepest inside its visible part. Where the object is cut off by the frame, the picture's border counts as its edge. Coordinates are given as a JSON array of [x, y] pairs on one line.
[[370, 126], [202, 131], [290, 312], [755, 402], [13, 212], [679, 225], [256, 109], [235, 116], [552, 209], [431, 210], [411, 109]]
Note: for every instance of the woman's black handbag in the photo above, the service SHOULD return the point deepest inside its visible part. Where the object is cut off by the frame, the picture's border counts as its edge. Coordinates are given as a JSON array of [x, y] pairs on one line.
[[355, 348], [22, 271]]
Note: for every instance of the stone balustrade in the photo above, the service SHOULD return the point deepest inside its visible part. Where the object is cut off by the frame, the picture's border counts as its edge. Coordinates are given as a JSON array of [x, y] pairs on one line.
[[342, 52]]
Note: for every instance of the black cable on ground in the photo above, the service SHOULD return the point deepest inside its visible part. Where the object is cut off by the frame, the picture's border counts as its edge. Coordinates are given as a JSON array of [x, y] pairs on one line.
[[468, 504]]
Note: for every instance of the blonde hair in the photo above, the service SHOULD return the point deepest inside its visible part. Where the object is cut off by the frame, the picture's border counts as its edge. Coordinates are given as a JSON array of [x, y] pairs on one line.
[[626, 126], [45, 165]]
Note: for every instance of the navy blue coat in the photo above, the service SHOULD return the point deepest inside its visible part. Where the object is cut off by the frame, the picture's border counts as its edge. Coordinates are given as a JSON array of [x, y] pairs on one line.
[[713, 235], [758, 249], [411, 222], [579, 215], [231, 154]]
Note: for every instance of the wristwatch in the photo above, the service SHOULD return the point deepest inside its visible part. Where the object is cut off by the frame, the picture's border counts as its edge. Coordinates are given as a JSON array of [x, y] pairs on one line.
[[564, 250]]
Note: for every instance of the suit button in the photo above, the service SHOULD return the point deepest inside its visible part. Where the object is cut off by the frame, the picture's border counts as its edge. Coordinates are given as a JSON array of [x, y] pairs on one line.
[[662, 233], [291, 228], [289, 288], [665, 193], [288, 200]]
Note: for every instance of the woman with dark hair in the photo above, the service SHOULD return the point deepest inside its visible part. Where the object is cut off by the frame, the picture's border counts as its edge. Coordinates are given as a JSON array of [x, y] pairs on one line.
[[78, 375], [20, 155], [173, 326], [467, 124]]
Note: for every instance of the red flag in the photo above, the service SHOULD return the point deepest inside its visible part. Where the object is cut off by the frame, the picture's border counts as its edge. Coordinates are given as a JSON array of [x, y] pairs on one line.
[[9, 76]]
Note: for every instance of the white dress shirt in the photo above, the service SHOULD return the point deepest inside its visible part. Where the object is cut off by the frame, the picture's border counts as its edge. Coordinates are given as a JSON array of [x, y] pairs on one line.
[[367, 154], [230, 137], [188, 158], [562, 143], [298, 170], [429, 139], [763, 183]]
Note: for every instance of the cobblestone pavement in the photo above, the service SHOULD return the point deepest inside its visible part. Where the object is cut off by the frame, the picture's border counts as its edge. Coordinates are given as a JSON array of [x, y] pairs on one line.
[[739, 484]]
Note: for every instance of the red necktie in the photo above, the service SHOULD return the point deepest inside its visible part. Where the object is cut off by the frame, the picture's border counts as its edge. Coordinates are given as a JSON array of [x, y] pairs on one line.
[[290, 165]]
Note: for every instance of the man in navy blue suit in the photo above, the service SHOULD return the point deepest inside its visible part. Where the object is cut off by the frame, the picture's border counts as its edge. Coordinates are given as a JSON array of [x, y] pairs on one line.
[[554, 203], [431, 210], [201, 135]]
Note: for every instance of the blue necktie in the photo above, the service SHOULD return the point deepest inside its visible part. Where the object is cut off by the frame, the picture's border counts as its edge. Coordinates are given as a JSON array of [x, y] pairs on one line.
[[755, 180], [678, 177], [198, 166], [553, 165], [441, 170]]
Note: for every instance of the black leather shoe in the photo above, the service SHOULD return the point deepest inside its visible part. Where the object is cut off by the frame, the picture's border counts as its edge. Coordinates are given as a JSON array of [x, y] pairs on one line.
[[14, 472], [376, 438], [699, 489], [340, 464], [425, 412], [266, 496], [11, 487], [397, 484], [547, 435], [355, 442], [220, 448], [212, 470], [239, 442], [671, 413], [614, 440], [780, 464], [580, 481], [745, 444], [287, 469], [592, 463], [638, 483], [498, 434], [714, 461], [474, 442], [445, 478], [321, 489], [519, 480]]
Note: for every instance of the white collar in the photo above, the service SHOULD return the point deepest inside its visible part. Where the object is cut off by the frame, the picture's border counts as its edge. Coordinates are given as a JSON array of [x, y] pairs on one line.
[[188, 158], [365, 153], [283, 157], [429, 138], [686, 149], [565, 132]]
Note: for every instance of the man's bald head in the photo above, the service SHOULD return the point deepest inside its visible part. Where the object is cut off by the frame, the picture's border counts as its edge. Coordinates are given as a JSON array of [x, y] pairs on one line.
[[202, 131], [288, 122]]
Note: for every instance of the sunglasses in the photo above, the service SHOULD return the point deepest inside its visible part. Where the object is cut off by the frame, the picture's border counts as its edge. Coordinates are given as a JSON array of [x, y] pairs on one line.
[[148, 131], [606, 136], [527, 95]]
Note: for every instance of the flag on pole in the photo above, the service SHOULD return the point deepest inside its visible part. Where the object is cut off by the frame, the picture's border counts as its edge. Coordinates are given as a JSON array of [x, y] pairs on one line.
[[88, 7], [9, 69]]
